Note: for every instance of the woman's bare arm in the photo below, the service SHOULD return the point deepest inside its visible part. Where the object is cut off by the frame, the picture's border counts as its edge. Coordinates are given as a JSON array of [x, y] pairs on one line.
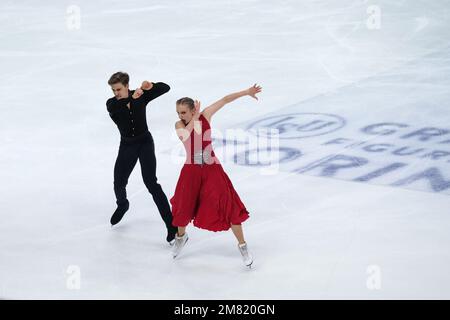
[[216, 106]]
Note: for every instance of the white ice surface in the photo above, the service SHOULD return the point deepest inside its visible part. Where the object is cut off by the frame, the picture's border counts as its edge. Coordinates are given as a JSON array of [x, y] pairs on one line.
[[313, 236]]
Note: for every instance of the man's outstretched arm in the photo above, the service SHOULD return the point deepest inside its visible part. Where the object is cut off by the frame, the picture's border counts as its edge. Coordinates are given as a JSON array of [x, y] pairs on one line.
[[153, 90]]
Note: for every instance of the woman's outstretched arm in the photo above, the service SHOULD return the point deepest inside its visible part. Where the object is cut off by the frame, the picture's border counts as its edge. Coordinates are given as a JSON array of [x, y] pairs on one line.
[[209, 111]]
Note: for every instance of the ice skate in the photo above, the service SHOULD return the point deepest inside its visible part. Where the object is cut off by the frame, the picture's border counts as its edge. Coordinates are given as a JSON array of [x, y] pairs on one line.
[[246, 256], [171, 233], [119, 213], [179, 244]]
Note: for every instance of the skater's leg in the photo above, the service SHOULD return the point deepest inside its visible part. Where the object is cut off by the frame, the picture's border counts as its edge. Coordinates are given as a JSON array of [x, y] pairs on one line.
[[125, 162], [242, 246], [147, 160], [181, 231], [238, 233]]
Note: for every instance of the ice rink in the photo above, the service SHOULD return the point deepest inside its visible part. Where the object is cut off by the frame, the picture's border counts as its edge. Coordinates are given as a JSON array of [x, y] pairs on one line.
[[357, 207]]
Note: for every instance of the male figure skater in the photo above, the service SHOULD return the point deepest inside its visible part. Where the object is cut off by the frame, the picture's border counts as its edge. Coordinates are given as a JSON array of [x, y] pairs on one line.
[[127, 110]]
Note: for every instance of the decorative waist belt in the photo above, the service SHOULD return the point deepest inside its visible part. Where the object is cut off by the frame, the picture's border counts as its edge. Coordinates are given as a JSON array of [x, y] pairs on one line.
[[201, 157]]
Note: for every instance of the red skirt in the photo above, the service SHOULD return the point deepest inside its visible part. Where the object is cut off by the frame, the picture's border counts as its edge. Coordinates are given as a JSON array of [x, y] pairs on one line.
[[204, 194]]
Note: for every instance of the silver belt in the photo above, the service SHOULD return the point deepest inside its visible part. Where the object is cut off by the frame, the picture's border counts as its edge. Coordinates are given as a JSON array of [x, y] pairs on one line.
[[201, 157]]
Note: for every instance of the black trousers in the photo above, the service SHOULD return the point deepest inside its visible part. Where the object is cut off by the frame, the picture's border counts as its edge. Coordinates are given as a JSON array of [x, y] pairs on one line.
[[130, 150]]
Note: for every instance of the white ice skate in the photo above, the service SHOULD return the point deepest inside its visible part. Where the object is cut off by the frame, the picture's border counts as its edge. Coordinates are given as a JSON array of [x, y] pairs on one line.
[[179, 244], [246, 256]]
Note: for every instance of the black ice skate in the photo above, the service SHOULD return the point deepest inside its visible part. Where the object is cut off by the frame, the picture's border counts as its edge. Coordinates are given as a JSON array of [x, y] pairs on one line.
[[171, 233], [119, 213]]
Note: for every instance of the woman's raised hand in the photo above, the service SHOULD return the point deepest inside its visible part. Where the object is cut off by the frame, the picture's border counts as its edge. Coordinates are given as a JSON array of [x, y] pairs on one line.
[[196, 109], [253, 90]]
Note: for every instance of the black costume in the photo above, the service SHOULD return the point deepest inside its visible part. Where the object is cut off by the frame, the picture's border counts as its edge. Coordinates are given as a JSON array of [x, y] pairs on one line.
[[137, 143]]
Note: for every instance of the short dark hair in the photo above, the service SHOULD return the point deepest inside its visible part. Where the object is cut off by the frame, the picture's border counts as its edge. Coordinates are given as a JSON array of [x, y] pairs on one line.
[[121, 77], [187, 101]]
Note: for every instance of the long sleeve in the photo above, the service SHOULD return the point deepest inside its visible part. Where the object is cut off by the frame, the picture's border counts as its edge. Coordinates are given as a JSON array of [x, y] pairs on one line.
[[113, 104], [158, 89]]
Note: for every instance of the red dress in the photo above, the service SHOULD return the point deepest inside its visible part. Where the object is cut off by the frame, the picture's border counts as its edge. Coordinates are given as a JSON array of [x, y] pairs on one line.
[[204, 193]]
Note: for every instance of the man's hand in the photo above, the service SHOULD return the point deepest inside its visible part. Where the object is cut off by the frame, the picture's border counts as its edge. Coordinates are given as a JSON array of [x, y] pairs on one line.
[[146, 85], [137, 93]]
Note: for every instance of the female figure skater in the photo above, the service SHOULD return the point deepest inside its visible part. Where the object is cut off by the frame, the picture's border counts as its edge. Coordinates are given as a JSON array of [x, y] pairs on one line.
[[204, 194]]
